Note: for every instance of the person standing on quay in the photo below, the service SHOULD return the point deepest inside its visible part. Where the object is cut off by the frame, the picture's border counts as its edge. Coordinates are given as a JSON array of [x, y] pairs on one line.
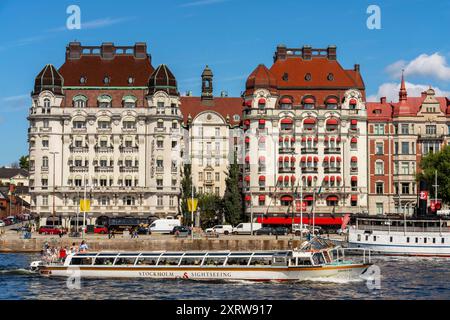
[[83, 246]]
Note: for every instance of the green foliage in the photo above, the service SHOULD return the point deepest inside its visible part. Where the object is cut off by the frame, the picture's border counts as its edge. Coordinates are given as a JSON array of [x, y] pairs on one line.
[[210, 206], [24, 162], [439, 162], [232, 200]]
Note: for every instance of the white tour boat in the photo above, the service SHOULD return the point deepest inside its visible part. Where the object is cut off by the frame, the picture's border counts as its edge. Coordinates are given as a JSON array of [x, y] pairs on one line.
[[400, 236], [317, 258]]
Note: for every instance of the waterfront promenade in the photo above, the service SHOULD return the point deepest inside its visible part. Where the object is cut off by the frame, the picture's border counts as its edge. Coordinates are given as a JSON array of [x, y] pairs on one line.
[[11, 241]]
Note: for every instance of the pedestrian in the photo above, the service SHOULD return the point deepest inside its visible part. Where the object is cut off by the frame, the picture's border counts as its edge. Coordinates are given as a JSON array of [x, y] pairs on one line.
[[62, 254], [83, 246], [73, 248]]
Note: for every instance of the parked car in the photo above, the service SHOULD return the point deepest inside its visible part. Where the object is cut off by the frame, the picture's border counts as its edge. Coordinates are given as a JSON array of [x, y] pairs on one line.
[[100, 230], [272, 231], [2, 224], [7, 222], [51, 230], [143, 230], [246, 228], [225, 229], [181, 229]]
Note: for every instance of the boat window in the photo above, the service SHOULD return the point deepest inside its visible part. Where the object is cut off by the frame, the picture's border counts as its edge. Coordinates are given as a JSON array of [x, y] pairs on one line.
[[106, 254], [407, 239], [367, 238], [318, 258], [417, 240], [104, 261], [359, 237], [327, 257], [191, 261], [125, 261], [304, 261], [169, 261], [147, 261], [78, 261], [442, 240], [261, 261], [262, 254], [374, 238], [391, 239], [424, 240], [434, 240], [237, 261], [214, 261], [172, 254]]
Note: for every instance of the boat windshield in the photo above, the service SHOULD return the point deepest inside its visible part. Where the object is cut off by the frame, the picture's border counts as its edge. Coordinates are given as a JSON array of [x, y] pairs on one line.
[[214, 260], [191, 261], [237, 260], [168, 261]]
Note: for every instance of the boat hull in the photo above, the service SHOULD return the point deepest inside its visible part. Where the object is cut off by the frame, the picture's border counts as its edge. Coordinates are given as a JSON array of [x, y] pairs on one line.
[[344, 272]]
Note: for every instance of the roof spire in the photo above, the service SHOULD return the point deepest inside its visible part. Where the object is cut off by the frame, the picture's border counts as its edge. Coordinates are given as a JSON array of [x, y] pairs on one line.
[[402, 94]]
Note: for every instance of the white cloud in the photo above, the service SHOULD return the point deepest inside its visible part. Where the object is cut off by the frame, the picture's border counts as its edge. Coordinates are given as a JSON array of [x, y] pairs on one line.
[[433, 66], [95, 24], [390, 91], [15, 103], [200, 3]]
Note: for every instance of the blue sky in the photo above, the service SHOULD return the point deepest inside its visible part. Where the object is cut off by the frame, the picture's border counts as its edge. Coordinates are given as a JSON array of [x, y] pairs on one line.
[[231, 36]]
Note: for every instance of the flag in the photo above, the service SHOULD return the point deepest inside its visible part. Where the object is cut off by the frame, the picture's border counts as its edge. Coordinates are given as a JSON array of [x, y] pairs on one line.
[[345, 221], [85, 205]]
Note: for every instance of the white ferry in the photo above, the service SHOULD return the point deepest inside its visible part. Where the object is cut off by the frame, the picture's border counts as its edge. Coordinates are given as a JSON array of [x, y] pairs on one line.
[[400, 236], [318, 258]]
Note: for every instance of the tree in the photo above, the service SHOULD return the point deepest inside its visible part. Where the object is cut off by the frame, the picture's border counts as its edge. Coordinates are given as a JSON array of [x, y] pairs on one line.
[[210, 206], [439, 162], [232, 199], [186, 192], [24, 162]]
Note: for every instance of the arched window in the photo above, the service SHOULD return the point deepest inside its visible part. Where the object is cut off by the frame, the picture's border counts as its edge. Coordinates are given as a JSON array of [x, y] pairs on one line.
[[45, 162], [331, 103], [104, 101], [79, 101], [129, 101], [46, 103], [308, 103]]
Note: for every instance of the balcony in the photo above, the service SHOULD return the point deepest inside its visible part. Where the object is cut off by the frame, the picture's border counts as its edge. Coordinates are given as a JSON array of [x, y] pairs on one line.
[[160, 130], [286, 150], [208, 182], [286, 170], [309, 150], [430, 136], [262, 131], [104, 149], [129, 169], [159, 169], [354, 169], [332, 170], [333, 150], [309, 170], [129, 130], [79, 169], [43, 129], [104, 169], [79, 149], [44, 168], [32, 130], [128, 149], [104, 130], [79, 130]]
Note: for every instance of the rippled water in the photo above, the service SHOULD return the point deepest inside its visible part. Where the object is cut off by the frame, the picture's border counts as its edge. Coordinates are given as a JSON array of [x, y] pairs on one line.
[[401, 278]]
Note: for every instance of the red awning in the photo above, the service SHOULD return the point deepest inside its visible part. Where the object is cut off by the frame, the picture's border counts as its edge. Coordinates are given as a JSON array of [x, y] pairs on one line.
[[332, 121], [293, 139], [280, 178], [262, 121], [354, 122], [332, 139], [309, 139], [247, 140], [316, 139], [309, 178], [287, 121], [247, 178], [327, 178], [286, 100], [338, 159], [316, 159], [247, 122], [262, 139], [286, 159], [332, 198], [280, 159], [354, 178], [325, 159], [292, 159], [247, 159], [286, 178], [333, 178], [318, 221], [354, 159], [262, 101], [292, 179], [326, 138], [308, 101], [339, 179], [286, 198], [309, 159], [247, 198], [354, 140], [262, 159], [338, 139], [309, 121], [286, 139], [303, 159], [280, 139], [262, 197], [354, 197], [262, 178], [332, 159], [309, 198], [353, 101], [303, 139], [248, 103], [332, 101]]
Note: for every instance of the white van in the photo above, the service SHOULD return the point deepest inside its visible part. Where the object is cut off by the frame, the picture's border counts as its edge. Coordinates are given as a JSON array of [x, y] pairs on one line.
[[164, 225], [246, 228], [220, 229]]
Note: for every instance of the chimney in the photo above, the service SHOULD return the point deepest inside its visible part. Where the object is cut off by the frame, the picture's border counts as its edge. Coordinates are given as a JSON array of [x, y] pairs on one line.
[[383, 100], [74, 50], [306, 52], [188, 93], [281, 53], [223, 94], [356, 67], [140, 50], [331, 52], [107, 50]]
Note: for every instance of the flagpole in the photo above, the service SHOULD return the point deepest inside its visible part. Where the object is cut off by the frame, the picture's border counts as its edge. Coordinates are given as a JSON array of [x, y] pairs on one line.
[[84, 208]]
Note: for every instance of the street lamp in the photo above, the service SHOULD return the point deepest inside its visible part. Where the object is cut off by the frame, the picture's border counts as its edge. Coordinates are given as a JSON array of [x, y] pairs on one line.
[[54, 153]]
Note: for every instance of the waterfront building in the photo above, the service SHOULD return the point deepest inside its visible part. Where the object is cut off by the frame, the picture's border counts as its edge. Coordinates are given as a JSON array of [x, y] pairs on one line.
[[16, 176], [399, 135], [305, 121], [213, 131], [109, 124]]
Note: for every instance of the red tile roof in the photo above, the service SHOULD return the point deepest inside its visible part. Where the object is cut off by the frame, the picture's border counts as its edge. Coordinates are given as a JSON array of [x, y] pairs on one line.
[[95, 68], [226, 106]]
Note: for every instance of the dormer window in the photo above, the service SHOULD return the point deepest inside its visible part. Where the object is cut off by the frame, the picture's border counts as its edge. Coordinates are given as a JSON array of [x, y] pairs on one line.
[[331, 103], [83, 80], [308, 103], [46, 103], [285, 77], [106, 80], [104, 101], [330, 77], [308, 77], [129, 101], [286, 103], [130, 80], [79, 101]]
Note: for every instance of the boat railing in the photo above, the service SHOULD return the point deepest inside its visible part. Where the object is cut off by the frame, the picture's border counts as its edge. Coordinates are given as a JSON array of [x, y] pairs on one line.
[[403, 229], [364, 255]]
